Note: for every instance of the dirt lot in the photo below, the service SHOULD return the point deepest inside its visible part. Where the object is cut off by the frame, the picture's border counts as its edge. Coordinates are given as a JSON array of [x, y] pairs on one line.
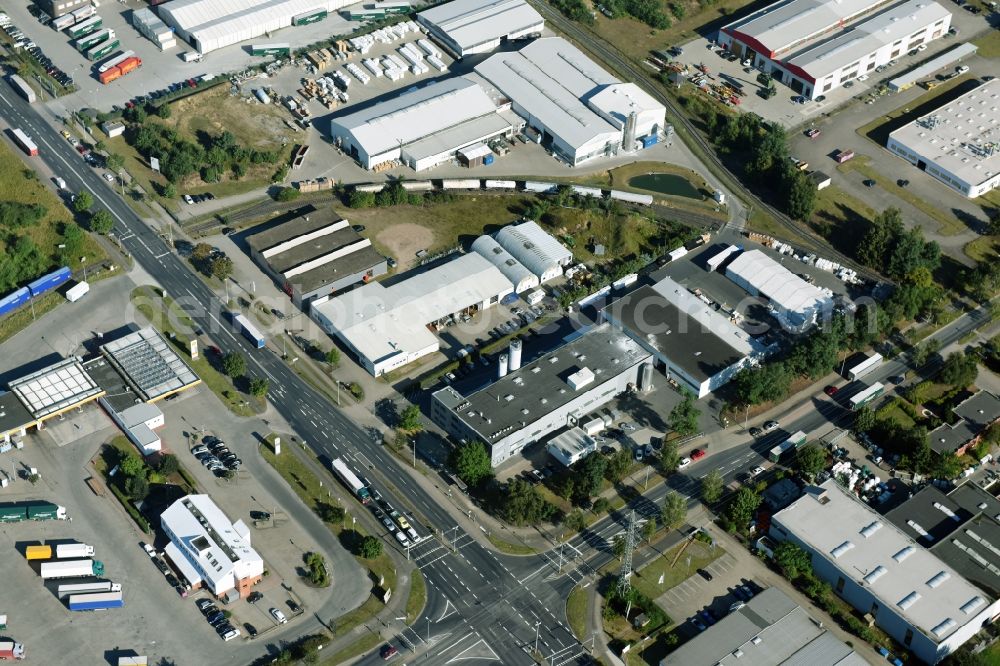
[[404, 240], [216, 111]]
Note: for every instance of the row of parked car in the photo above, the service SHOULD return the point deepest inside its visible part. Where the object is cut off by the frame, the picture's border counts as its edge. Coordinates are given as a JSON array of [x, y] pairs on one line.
[[707, 617], [22, 41], [218, 620], [198, 198], [216, 456]]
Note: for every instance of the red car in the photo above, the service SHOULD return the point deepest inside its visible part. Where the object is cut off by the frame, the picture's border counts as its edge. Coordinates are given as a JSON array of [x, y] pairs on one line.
[[388, 652], [830, 390], [697, 454], [812, 133]]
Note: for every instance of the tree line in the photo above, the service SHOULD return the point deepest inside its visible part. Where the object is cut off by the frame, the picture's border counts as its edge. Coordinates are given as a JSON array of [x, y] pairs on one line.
[[211, 160]]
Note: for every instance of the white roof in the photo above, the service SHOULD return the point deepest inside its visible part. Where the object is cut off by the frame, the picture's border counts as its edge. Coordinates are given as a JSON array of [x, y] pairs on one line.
[[470, 23], [620, 99], [56, 388], [513, 270], [957, 135], [868, 36], [139, 414], [203, 534], [380, 321], [717, 324], [538, 251], [875, 554], [784, 24], [549, 79], [415, 115], [786, 290]]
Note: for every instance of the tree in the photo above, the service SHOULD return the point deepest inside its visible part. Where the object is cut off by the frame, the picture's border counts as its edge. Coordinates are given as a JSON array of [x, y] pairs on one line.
[[330, 513], [618, 465], [922, 354], [234, 365], [684, 416], [333, 356], [137, 487], [84, 202], [409, 420], [875, 245], [959, 370], [101, 222], [163, 111], [792, 560], [201, 252], [132, 466], [258, 387], [864, 419], [221, 266], [601, 505], [767, 383], [674, 510], [711, 487], [649, 529], [588, 474], [169, 191], [168, 464], [371, 547], [523, 505], [114, 162], [287, 194], [471, 462], [575, 521], [741, 509], [669, 457], [810, 459], [800, 193]]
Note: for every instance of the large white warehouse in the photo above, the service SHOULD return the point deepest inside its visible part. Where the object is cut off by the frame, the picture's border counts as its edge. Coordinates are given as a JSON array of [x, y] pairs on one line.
[[212, 24], [815, 46], [388, 327], [465, 27], [537, 250], [958, 143], [580, 110], [513, 270], [792, 300], [424, 127]]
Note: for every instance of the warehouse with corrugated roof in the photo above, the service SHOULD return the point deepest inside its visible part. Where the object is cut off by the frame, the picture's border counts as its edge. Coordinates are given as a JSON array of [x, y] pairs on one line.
[[793, 301], [536, 249], [513, 270], [465, 27]]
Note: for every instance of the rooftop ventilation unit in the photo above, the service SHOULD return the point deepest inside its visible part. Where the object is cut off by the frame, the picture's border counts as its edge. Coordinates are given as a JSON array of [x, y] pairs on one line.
[[580, 379]]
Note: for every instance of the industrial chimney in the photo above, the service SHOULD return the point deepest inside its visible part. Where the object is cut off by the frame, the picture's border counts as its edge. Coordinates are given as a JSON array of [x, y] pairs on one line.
[[502, 366], [515, 354]]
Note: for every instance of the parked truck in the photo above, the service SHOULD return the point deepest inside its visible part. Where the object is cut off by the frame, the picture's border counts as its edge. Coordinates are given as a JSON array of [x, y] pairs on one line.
[[38, 553], [22, 88], [96, 601], [71, 569], [88, 588], [15, 512], [11, 650], [74, 550]]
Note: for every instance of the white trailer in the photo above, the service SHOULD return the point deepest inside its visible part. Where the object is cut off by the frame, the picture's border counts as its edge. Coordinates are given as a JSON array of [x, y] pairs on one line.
[[632, 197], [535, 186], [73, 294], [460, 184], [75, 550], [68, 569], [500, 185], [85, 588], [584, 191], [861, 369]]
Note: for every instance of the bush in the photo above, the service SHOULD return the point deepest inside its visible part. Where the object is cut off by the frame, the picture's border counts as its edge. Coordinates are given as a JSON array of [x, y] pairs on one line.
[[83, 203], [101, 222], [168, 464], [371, 547], [317, 572], [234, 364], [287, 194]]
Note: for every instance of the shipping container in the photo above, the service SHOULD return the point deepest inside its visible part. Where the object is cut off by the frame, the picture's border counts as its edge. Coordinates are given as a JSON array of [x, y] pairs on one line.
[[14, 300], [649, 141], [249, 331], [534, 186], [38, 552], [129, 64], [309, 17], [632, 197], [500, 185], [461, 184], [67, 550], [24, 142], [92, 24], [96, 601], [115, 61], [86, 43], [271, 49], [62, 22], [49, 282], [103, 49], [85, 588], [22, 88], [587, 191]]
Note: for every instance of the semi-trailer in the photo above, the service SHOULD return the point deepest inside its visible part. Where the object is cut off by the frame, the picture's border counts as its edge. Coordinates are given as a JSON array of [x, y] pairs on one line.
[[97, 601], [24, 142], [88, 588], [119, 70], [350, 480], [11, 650], [67, 550], [248, 330], [71, 569], [15, 512], [86, 43], [49, 281], [22, 88], [38, 553]]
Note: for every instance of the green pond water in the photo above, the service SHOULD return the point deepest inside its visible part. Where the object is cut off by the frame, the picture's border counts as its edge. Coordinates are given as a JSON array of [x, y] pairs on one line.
[[666, 183]]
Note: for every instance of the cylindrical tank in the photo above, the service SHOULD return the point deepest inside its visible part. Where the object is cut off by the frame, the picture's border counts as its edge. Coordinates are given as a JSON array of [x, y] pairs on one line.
[[515, 354], [502, 366], [628, 136], [646, 377]]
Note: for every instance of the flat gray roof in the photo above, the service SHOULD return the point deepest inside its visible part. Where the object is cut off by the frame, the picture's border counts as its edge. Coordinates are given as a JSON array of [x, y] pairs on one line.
[[976, 413], [149, 364], [463, 134], [118, 393], [13, 414], [541, 386]]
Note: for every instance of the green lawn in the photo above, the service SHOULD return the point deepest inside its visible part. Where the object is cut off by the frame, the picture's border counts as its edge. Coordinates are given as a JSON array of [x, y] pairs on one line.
[[359, 647], [417, 598], [576, 612], [646, 580], [508, 547], [989, 44], [982, 248]]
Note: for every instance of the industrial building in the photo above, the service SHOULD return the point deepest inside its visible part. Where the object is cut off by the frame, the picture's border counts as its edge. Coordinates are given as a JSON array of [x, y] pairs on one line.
[[424, 127], [56, 8], [389, 327], [56, 389], [153, 29], [579, 110], [909, 592], [528, 402], [209, 550], [315, 254], [149, 364], [465, 27], [571, 446], [537, 250], [15, 419], [958, 143], [974, 415], [815, 46], [691, 343], [513, 270], [769, 630], [213, 24], [959, 527], [795, 303]]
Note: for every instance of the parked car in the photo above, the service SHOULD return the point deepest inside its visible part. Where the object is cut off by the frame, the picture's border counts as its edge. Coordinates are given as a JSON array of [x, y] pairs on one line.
[[204, 604], [771, 425], [278, 616], [254, 597], [683, 463], [697, 454], [704, 574], [149, 550], [251, 630], [830, 390]]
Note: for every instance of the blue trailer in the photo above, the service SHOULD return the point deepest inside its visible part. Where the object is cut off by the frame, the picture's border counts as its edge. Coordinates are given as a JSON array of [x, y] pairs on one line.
[[49, 282], [96, 601], [15, 300], [248, 330]]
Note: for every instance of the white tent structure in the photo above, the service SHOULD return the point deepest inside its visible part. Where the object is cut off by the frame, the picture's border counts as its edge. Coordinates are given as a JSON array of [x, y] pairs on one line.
[[795, 302], [512, 269], [538, 251]]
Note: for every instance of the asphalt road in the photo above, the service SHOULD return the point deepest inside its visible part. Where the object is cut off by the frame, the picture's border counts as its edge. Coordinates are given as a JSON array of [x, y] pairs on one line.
[[480, 604]]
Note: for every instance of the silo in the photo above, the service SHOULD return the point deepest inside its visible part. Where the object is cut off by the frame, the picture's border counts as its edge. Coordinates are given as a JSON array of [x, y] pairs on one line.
[[646, 377], [502, 366], [515, 354]]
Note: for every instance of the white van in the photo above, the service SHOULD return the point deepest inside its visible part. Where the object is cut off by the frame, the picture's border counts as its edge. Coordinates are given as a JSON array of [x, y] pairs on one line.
[[60, 183]]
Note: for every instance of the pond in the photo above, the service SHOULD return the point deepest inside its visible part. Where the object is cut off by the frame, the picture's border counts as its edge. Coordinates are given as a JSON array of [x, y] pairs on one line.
[[666, 183]]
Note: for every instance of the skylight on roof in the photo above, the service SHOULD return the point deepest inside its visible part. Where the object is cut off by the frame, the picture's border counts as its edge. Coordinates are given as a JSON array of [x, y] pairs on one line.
[[841, 549], [908, 600], [904, 553], [938, 579]]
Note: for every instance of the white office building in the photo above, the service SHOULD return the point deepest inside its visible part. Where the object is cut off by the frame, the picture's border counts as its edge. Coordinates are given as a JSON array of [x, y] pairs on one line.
[[210, 551], [465, 27], [958, 143], [815, 46], [912, 595], [389, 327], [795, 303], [535, 249]]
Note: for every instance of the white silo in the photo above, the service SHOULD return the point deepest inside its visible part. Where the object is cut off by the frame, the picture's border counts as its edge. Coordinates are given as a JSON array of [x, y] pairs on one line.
[[502, 366], [515, 354]]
